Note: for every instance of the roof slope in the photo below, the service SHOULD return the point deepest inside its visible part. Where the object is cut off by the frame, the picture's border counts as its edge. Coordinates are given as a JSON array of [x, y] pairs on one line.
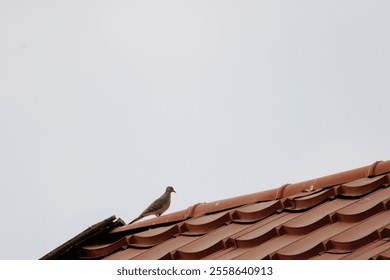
[[341, 216]]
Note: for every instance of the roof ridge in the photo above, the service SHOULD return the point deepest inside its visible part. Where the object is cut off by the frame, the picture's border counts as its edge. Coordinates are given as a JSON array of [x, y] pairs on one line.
[[284, 191]]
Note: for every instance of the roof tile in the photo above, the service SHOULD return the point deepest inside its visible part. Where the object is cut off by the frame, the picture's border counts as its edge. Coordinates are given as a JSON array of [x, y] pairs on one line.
[[263, 231], [308, 201], [328, 256], [361, 234], [154, 236], [370, 251], [100, 250], [365, 207], [267, 249], [316, 218], [205, 245], [258, 211], [126, 254], [385, 255], [164, 250], [206, 223], [363, 186], [312, 244], [143, 240]]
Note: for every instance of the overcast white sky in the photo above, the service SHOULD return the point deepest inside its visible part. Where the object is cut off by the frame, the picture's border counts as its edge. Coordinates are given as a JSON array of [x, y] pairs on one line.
[[105, 103]]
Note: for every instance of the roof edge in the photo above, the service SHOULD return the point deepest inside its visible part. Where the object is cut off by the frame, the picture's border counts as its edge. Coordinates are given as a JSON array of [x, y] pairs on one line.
[[374, 169], [106, 224]]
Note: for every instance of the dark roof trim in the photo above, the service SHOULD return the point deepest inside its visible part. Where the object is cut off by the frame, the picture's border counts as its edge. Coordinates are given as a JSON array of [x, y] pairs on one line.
[[107, 224]]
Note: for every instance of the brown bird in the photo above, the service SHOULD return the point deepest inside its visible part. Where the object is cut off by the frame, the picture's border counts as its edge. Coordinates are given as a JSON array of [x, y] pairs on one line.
[[159, 206]]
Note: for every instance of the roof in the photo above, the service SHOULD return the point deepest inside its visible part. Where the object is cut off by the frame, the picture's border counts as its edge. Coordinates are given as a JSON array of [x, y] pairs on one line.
[[340, 216]]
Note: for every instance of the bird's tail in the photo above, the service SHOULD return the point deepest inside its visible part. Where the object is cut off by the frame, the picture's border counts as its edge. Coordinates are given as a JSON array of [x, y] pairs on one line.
[[136, 219]]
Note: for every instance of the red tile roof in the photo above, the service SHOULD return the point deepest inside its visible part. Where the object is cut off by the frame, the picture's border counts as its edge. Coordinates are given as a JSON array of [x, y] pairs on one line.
[[341, 216]]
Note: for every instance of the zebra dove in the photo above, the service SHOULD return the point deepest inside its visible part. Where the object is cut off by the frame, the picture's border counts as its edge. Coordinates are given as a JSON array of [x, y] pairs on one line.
[[159, 206]]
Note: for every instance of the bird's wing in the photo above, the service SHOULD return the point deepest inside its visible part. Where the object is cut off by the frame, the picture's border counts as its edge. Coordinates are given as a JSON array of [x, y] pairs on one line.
[[154, 207]]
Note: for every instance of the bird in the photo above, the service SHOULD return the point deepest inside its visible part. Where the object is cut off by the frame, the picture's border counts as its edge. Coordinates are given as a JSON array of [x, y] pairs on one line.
[[159, 206]]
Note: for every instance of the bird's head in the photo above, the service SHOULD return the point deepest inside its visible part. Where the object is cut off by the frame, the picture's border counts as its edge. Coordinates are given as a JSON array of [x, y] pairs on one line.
[[170, 189]]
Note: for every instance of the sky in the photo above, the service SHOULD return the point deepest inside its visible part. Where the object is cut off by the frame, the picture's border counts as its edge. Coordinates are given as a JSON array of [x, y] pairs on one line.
[[105, 103]]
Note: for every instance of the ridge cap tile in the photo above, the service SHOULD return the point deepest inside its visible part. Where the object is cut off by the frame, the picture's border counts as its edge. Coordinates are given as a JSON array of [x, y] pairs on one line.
[[382, 168]]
